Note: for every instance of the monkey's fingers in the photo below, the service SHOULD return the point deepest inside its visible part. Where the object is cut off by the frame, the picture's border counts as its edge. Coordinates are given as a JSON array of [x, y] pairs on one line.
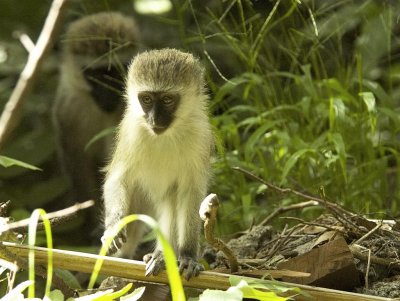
[[116, 243], [155, 264], [190, 266], [147, 257]]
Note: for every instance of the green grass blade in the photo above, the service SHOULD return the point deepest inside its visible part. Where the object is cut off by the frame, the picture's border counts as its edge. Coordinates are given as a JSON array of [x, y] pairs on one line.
[[174, 278], [32, 239], [8, 162]]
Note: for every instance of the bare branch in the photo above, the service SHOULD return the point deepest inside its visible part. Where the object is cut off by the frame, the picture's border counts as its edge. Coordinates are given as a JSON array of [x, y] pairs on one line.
[[208, 213], [131, 269], [55, 218], [280, 210], [12, 111]]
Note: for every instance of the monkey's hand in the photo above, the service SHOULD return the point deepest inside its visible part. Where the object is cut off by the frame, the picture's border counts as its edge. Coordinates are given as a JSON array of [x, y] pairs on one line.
[[191, 267], [117, 241], [154, 263]]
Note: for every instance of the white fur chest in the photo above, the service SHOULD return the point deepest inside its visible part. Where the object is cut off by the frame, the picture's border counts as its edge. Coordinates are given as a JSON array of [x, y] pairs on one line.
[[160, 162]]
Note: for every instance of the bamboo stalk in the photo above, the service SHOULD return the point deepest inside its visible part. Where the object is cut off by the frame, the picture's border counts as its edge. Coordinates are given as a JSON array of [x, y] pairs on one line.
[[132, 269]]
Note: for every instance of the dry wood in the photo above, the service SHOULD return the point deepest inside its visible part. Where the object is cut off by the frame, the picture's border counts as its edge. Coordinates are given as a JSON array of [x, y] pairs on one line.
[[387, 262], [372, 231], [56, 218], [326, 264], [22, 263], [83, 262], [208, 213], [12, 111], [322, 201], [331, 228], [257, 273], [281, 210]]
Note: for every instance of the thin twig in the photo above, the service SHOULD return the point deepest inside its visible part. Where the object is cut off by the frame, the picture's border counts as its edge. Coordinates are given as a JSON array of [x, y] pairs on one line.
[[25, 40], [387, 262], [208, 213], [367, 271], [313, 224], [279, 244], [280, 210], [339, 213], [358, 241], [56, 218], [289, 190], [12, 111]]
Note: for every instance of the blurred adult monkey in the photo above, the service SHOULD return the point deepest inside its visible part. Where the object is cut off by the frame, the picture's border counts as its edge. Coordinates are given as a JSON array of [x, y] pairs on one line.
[[96, 51]]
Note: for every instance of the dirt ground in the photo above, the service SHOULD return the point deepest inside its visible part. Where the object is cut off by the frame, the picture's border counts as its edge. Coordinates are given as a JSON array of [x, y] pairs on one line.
[[360, 255]]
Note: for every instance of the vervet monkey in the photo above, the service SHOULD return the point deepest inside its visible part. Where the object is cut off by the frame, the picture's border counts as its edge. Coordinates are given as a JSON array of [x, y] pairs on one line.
[[96, 51], [161, 164]]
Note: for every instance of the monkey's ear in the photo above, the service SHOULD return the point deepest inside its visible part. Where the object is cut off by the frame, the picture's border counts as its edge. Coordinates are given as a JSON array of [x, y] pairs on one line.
[[106, 86]]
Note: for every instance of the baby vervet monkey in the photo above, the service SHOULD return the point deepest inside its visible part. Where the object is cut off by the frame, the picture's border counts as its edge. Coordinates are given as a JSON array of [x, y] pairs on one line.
[[161, 163], [96, 51]]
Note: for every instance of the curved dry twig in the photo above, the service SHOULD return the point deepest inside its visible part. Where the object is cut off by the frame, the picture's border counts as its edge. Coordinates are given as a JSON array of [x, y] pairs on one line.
[[208, 213]]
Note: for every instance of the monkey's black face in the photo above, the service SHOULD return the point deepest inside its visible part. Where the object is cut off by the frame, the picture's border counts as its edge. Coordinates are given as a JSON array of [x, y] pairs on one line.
[[159, 109], [106, 87]]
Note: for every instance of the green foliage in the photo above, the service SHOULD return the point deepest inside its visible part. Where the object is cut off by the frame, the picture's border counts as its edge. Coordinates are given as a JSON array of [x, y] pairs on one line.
[[254, 289], [308, 100], [16, 294], [174, 278], [32, 238], [8, 162], [104, 133]]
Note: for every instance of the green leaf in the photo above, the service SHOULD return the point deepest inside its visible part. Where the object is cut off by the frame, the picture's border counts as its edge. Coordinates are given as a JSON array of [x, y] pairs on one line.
[[68, 278], [335, 85], [292, 161], [135, 295], [102, 134], [8, 162], [253, 293], [340, 148], [369, 100], [56, 295], [98, 296], [174, 277], [121, 292], [271, 285], [212, 295]]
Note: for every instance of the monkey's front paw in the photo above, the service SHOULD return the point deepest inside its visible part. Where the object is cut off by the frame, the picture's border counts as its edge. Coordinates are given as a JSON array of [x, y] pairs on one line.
[[191, 267], [154, 263], [117, 241]]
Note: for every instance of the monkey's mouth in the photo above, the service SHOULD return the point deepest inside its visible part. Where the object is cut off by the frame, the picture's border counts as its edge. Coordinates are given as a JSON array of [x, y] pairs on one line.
[[159, 129]]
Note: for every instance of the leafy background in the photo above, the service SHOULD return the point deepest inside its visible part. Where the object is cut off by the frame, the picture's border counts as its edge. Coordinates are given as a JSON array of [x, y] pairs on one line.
[[303, 93]]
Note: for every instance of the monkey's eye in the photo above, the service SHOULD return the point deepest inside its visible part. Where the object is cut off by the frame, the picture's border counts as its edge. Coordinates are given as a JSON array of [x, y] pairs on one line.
[[167, 100], [145, 99]]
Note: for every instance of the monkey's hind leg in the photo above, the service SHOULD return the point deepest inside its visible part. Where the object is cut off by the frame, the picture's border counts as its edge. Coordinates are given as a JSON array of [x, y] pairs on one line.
[[188, 226], [134, 234], [155, 261]]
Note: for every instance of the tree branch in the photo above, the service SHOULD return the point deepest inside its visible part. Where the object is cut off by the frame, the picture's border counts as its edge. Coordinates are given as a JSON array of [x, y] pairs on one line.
[[11, 114]]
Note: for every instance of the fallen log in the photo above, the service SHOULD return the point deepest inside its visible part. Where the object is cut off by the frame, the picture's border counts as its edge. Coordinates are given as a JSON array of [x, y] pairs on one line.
[[131, 269]]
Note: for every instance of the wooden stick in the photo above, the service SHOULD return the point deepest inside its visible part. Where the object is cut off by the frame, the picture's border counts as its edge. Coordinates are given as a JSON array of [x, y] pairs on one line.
[[281, 210], [112, 266], [10, 117], [131, 269], [208, 213], [387, 262], [56, 218]]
